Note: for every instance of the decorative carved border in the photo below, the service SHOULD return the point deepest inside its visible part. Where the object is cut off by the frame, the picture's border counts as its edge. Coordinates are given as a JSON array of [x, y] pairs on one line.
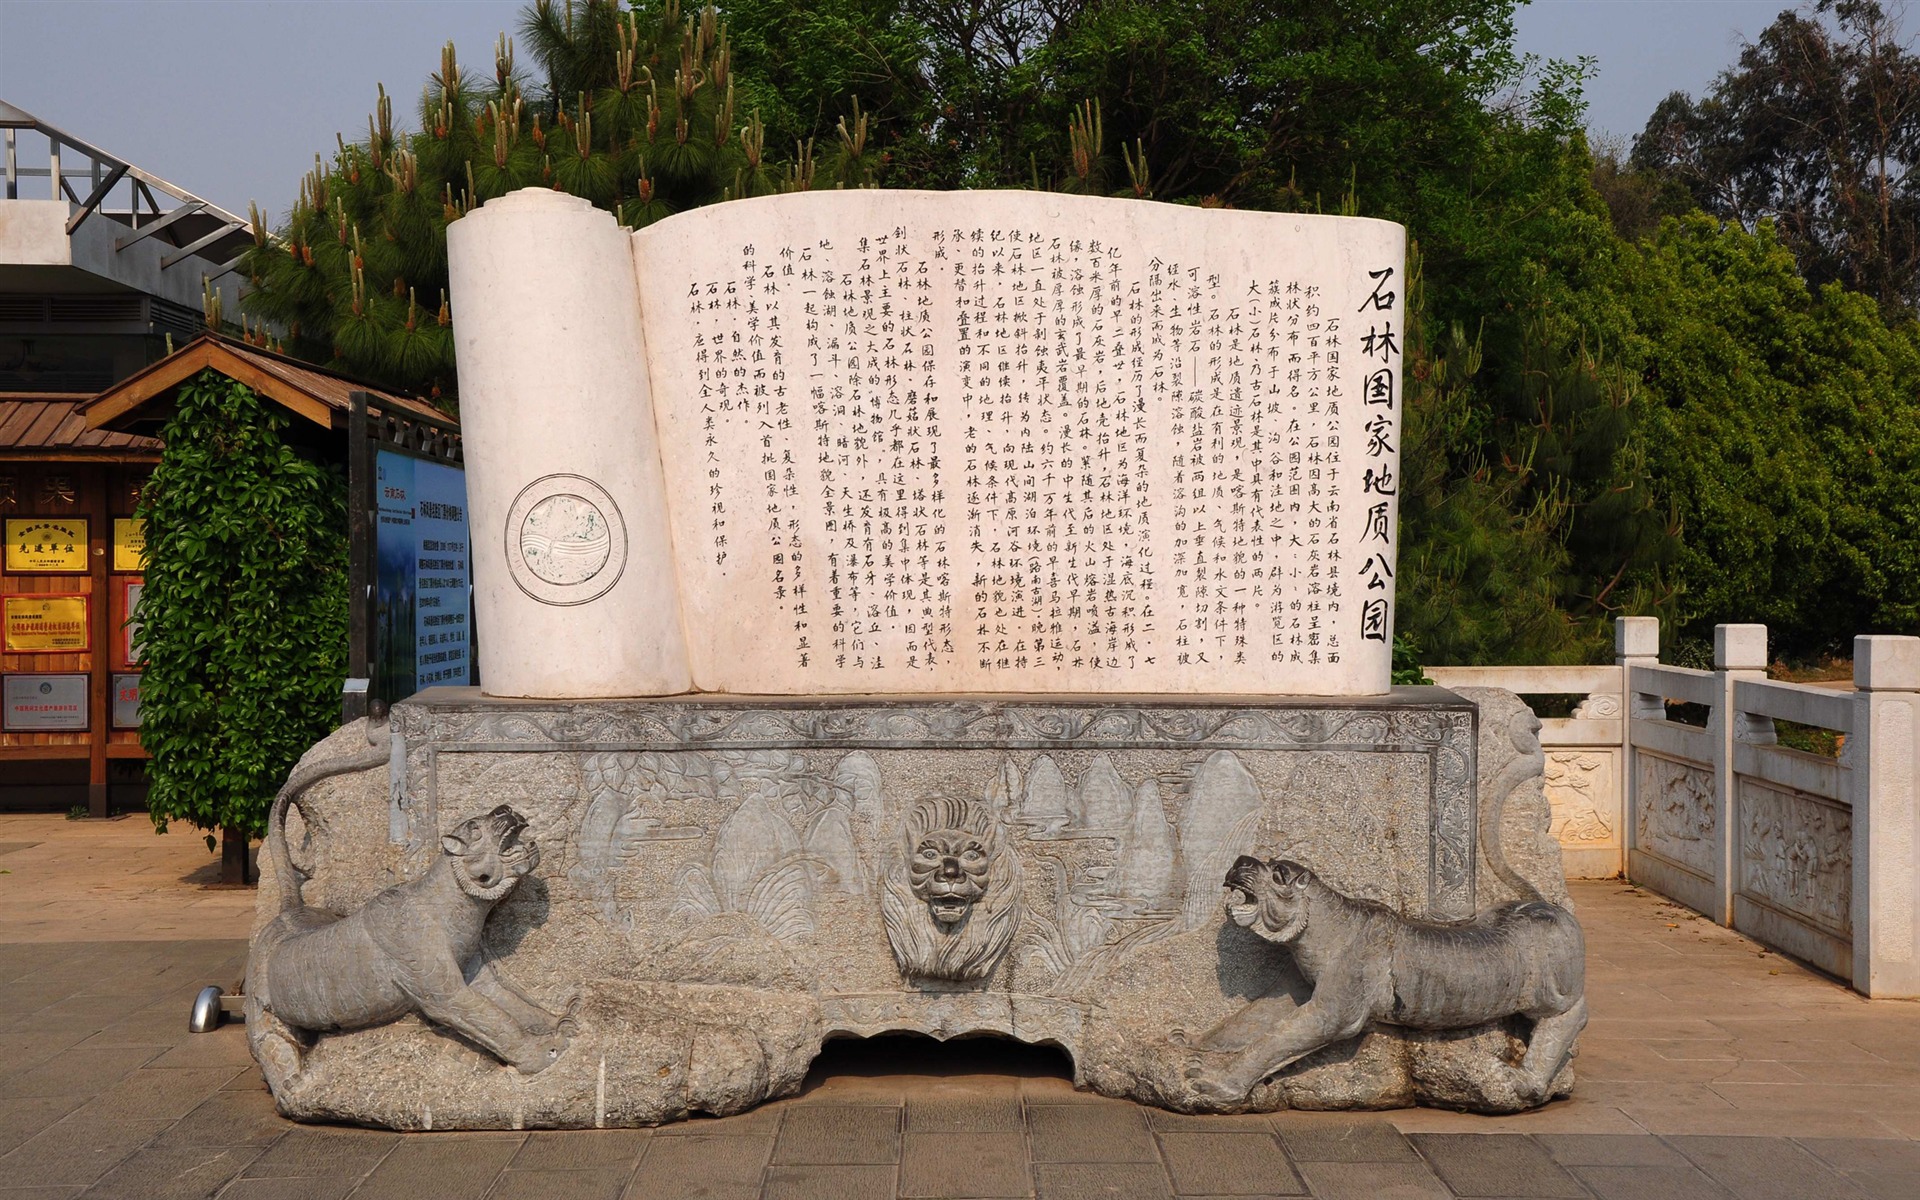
[[1443, 729]]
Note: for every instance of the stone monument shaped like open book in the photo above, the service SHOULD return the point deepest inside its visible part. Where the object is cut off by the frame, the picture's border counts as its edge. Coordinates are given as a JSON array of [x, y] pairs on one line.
[[905, 611]]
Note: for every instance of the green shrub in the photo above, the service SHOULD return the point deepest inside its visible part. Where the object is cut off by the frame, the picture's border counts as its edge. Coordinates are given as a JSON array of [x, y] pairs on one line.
[[244, 612]]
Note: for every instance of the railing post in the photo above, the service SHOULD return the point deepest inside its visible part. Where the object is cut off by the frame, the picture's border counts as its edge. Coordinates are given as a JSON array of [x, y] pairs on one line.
[[1886, 815], [1739, 652], [1636, 643]]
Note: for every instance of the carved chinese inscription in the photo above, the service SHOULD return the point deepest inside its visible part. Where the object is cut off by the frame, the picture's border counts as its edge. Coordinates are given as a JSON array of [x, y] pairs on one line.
[[938, 451]]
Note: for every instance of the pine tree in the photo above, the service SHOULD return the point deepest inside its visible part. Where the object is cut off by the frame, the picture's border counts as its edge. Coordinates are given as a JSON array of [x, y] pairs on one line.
[[637, 113]]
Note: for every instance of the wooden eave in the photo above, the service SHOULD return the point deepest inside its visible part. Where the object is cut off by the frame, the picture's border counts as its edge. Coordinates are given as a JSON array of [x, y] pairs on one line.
[[48, 427], [312, 393]]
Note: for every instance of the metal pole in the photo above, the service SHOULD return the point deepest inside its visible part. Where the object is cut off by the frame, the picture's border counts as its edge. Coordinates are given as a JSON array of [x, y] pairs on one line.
[[13, 168], [362, 508], [53, 165]]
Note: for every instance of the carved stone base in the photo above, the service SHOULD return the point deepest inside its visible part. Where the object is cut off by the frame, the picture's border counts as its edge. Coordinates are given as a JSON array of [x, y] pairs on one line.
[[724, 883]]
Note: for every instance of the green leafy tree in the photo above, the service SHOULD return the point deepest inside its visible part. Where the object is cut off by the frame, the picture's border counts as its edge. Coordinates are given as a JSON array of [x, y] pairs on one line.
[[244, 616], [1816, 128], [1786, 429], [1533, 506]]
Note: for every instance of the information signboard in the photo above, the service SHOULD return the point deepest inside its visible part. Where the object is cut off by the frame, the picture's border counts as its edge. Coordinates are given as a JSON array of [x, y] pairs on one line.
[[422, 618]]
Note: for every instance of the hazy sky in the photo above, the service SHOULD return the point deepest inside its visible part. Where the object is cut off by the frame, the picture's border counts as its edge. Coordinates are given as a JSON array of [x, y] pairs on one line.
[[231, 99]]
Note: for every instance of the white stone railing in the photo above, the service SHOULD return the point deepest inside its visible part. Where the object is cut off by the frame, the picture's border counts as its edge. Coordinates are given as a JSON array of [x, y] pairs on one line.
[[1811, 854]]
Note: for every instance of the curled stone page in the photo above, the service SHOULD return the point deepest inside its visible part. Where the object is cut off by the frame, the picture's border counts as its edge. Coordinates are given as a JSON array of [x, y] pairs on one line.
[[1023, 442], [573, 566]]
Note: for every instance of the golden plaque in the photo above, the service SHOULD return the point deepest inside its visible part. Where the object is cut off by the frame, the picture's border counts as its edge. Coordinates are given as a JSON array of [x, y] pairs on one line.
[[46, 544], [45, 624], [129, 544]]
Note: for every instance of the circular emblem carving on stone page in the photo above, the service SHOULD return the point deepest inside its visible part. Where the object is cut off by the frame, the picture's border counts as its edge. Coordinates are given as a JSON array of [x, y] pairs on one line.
[[566, 540]]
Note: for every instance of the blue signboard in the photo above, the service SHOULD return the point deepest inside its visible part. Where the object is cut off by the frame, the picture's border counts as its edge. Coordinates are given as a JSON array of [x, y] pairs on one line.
[[423, 618]]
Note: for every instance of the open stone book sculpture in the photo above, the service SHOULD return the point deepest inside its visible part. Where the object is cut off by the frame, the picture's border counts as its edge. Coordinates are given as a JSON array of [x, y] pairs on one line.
[[962, 614]]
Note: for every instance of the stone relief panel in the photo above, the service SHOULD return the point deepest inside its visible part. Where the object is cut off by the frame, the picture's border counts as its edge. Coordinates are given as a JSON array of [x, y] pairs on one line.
[[721, 885], [1583, 787], [1796, 853], [1676, 818], [765, 859]]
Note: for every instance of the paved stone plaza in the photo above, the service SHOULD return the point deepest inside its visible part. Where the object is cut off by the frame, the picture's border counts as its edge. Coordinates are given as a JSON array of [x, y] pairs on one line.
[[1710, 1069]]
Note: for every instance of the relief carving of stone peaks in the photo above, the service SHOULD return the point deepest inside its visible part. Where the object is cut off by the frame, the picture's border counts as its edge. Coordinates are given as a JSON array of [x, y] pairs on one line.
[[789, 838]]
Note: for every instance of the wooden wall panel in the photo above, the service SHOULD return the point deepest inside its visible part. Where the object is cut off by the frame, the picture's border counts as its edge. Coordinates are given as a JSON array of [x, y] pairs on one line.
[[99, 492]]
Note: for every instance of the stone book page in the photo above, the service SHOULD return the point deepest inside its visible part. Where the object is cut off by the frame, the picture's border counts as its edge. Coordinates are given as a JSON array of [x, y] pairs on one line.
[[1025, 442]]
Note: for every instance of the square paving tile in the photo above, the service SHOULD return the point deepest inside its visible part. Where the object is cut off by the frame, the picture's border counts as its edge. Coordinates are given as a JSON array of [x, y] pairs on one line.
[[1355, 1141], [1887, 1185], [426, 1165], [964, 1114], [78, 1072], [1502, 1164], [603, 1184], [74, 1151], [318, 1150], [1651, 1183], [1089, 1133], [821, 1182], [229, 1119], [1373, 1181], [709, 1166], [1101, 1181], [223, 1047], [1865, 1154], [1228, 1164], [1764, 1168], [172, 1173], [581, 1149], [950, 1166], [310, 1187], [1822, 1097], [1610, 1150], [839, 1134], [21, 1119], [158, 1095]]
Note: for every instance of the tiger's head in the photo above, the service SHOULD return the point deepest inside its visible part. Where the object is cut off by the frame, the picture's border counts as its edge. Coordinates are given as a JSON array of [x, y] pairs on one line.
[[1269, 897], [491, 854]]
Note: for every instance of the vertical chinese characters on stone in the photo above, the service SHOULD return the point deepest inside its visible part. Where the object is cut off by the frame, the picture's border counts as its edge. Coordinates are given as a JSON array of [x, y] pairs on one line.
[[1022, 451]]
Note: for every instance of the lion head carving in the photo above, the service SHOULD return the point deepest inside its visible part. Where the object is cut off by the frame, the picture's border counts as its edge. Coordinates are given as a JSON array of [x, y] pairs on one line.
[[947, 871], [1269, 898], [490, 854], [952, 894]]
